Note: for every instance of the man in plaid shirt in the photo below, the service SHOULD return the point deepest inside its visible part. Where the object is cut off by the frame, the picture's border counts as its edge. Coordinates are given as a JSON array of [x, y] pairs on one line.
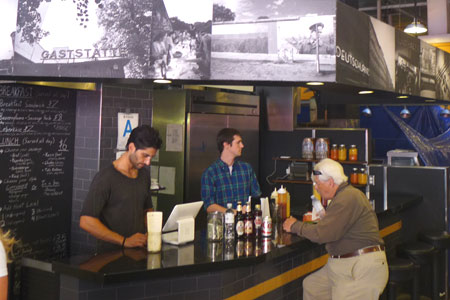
[[227, 180]]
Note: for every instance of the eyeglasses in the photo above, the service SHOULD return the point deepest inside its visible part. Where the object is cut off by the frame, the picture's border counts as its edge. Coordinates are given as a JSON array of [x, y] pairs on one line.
[[316, 172]]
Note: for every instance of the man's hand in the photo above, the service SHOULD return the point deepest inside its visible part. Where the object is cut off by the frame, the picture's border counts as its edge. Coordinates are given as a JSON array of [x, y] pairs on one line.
[[288, 223], [136, 240]]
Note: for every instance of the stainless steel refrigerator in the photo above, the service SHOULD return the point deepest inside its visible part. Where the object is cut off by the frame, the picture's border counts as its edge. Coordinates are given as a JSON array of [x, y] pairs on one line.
[[200, 114]]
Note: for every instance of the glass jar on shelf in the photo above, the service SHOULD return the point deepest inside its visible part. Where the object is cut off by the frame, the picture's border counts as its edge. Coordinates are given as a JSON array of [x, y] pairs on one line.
[[308, 148], [354, 176], [334, 152], [321, 148], [342, 152], [362, 177], [353, 153]]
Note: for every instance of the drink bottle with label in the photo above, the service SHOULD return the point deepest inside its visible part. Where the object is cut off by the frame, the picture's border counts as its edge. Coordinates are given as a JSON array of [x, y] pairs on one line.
[[229, 222], [239, 221], [248, 223], [258, 220]]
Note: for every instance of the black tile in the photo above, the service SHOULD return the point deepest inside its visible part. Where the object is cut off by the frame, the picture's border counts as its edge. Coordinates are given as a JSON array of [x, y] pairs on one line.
[[243, 272], [143, 94], [103, 294], [215, 294], [128, 93], [183, 285], [157, 288], [228, 277], [233, 289], [111, 91], [135, 103], [197, 295], [249, 282], [131, 292], [286, 266], [172, 297], [209, 281]]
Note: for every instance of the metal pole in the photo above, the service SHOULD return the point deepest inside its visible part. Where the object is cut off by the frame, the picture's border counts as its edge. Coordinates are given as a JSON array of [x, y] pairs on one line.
[[317, 48], [379, 9]]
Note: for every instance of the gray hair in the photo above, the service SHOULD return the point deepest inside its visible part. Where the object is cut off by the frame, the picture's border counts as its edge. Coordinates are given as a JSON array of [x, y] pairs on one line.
[[330, 169]]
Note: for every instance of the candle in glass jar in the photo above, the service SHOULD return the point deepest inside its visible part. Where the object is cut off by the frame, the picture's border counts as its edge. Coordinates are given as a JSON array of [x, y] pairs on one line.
[[353, 153], [354, 176], [362, 177], [334, 152], [342, 152]]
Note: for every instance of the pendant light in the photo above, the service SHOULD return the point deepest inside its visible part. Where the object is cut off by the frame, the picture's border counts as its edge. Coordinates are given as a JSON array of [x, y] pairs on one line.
[[367, 112], [405, 113], [445, 113], [415, 27]]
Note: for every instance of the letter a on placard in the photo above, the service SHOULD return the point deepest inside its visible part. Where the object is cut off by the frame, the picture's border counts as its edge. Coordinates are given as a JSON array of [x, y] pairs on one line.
[[126, 123], [128, 128]]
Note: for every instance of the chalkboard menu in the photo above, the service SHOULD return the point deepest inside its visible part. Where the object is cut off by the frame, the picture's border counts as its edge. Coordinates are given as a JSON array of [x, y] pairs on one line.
[[37, 129]]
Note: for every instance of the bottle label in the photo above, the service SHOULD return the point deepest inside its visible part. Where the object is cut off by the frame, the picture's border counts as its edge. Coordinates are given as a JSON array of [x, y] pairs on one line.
[[267, 227], [229, 218], [240, 228], [258, 221], [248, 227]]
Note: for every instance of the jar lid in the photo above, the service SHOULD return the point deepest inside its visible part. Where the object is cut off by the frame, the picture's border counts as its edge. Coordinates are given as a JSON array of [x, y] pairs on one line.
[[355, 169], [334, 145], [353, 146], [363, 170], [342, 145]]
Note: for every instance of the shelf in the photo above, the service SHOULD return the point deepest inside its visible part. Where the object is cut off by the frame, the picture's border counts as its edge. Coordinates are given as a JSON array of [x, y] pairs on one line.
[[292, 181], [159, 188], [344, 162], [309, 182]]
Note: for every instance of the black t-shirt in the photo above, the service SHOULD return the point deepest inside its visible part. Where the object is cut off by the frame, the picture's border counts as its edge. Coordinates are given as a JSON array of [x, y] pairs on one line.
[[119, 202]]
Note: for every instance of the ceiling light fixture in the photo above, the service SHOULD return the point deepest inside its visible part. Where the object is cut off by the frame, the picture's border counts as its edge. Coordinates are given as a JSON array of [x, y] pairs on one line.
[[365, 92], [405, 113], [445, 112], [315, 83], [415, 27], [162, 81], [402, 97], [430, 100], [367, 112]]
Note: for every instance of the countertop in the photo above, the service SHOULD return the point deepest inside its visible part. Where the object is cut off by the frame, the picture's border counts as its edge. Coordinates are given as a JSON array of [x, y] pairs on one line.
[[198, 256]]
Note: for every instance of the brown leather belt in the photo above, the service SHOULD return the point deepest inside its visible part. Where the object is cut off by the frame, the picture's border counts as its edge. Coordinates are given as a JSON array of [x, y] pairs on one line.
[[360, 251]]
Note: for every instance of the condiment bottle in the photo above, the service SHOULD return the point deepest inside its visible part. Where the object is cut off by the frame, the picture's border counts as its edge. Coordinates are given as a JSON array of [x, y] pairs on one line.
[[362, 177], [288, 204], [354, 176], [353, 153], [273, 201], [334, 152], [282, 200], [342, 152]]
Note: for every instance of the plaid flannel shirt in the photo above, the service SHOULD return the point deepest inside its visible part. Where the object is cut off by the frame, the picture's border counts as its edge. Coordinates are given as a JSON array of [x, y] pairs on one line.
[[219, 187]]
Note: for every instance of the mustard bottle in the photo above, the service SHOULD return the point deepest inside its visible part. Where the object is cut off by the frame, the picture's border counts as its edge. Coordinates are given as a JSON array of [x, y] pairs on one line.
[[282, 199]]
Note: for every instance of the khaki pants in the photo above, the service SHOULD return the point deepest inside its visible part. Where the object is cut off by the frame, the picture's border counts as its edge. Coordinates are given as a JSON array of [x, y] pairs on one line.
[[359, 277]]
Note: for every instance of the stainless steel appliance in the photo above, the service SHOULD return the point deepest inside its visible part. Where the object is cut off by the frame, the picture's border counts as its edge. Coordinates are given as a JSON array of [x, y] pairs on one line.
[[202, 114]]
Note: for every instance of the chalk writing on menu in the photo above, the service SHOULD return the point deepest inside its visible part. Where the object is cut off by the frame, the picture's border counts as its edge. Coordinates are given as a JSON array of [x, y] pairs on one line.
[[37, 129]]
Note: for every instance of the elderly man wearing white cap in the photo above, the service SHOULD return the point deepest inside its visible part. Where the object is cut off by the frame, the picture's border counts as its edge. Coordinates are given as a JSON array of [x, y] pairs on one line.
[[357, 267]]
